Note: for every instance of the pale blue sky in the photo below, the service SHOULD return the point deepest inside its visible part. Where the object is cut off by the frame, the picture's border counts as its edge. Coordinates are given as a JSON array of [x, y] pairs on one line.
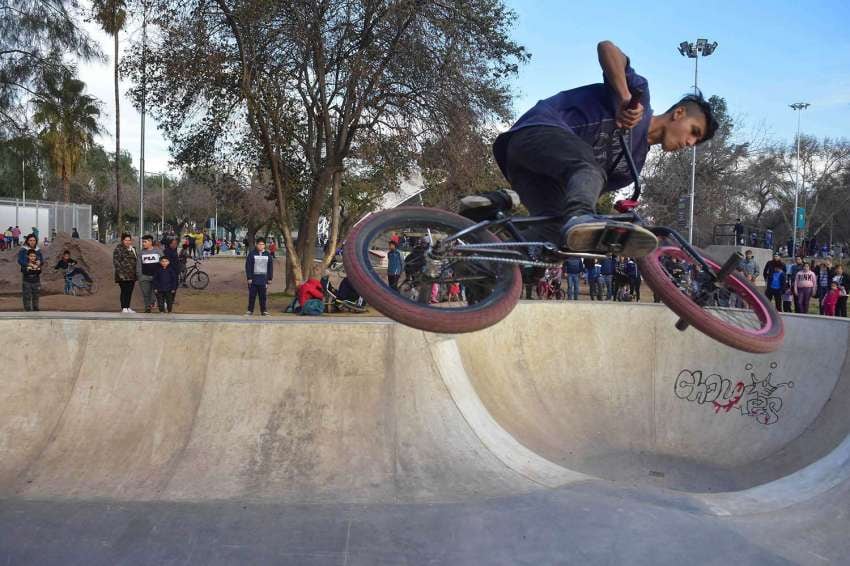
[[769, 55]]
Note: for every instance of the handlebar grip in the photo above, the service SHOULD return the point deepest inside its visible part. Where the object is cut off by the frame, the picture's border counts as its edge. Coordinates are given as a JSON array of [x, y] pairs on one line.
[[637, 94]]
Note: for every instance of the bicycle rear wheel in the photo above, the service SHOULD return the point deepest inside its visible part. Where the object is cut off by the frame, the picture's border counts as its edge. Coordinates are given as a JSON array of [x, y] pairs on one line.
[[752, 326], [490, 289]]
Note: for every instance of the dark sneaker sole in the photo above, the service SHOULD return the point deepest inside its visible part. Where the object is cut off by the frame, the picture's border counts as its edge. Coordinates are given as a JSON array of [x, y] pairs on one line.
[[620, 238]]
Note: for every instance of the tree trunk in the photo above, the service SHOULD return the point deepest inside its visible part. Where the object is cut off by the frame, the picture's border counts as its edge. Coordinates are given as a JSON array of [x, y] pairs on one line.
[[333, 237], [66, 189], [119, 223]]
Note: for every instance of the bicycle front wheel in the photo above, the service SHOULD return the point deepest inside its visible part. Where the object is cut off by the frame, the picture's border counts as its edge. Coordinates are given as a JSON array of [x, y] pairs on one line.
[[199, 280], [736, 314]]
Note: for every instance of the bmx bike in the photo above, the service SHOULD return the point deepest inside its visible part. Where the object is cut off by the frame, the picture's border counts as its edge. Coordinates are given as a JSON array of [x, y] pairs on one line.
[[486, 258]]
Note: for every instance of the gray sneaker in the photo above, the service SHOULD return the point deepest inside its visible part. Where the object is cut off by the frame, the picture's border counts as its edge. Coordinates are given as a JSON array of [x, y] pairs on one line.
[[591, 233]]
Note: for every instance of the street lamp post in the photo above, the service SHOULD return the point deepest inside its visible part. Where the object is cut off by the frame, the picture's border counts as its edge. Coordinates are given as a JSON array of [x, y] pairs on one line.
[[693, 51], [798, 107]]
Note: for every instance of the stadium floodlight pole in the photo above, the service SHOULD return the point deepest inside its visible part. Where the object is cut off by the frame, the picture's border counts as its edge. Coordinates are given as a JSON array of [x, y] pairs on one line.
[[693, 51], [142, 149], [798, 107]]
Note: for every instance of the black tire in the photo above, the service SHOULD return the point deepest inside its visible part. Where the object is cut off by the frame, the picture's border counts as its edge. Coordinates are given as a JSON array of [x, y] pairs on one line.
[[199, 280], [765, 339], [490, 310]]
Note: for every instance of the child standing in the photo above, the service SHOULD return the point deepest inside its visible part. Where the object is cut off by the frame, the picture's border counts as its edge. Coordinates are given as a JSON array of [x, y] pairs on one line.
[[31, 285], [830, 300], [259, 269], [164, 285], [788, 299]]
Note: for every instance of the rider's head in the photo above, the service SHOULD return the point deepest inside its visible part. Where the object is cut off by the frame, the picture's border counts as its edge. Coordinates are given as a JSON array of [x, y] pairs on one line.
[[687, 123]]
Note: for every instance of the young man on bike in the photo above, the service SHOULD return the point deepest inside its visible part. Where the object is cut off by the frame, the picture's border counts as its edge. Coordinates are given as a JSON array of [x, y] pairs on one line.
[[564, 152]]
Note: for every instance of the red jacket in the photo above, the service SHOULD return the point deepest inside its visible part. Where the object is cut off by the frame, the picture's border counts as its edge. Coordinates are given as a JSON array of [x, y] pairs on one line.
[[829, 302], [311, 289]]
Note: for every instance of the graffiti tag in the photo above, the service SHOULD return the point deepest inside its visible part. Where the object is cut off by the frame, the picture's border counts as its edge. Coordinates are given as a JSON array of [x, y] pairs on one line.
[[758, 399]]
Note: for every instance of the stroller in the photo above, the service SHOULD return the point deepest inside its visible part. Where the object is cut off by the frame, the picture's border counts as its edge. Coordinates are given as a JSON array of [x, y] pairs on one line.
[[344, 299]]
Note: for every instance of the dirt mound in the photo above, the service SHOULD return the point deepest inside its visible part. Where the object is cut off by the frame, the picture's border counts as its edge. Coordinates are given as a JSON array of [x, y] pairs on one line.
[[91, 255]]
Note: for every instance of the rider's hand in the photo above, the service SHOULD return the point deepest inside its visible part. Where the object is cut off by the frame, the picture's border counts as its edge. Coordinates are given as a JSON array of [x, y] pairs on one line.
[[628, 118]]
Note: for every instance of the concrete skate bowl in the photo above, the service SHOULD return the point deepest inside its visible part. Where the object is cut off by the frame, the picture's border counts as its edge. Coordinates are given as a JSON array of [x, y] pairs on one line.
[[364, 411]]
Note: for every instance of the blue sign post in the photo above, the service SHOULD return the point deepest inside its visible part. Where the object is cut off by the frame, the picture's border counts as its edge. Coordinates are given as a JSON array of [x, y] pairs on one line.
[[801, 218]]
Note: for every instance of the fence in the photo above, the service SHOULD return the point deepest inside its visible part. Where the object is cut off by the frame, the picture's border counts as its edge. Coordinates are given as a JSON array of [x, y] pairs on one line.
[[46, 216]]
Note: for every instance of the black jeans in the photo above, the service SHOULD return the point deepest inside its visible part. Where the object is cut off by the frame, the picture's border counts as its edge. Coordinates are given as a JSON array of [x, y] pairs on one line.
[[554, 173], [29, 293], [634, 289], [255, 291], [776, 295], [165, 300], [392, 280], [126, 293]]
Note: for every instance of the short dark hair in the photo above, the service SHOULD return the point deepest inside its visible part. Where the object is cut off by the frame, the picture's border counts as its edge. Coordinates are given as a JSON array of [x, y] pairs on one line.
[[148, 237], [126, 235], [32, 252], [693, 102], [259, 241], [66, 252], [164, 257]]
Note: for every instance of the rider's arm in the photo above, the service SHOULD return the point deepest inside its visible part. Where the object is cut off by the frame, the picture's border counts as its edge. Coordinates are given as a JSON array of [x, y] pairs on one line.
[[613, 63]]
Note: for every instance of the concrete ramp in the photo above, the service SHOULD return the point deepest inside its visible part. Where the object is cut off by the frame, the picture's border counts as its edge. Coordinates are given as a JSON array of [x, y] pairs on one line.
[[217, 440], [366, 411]]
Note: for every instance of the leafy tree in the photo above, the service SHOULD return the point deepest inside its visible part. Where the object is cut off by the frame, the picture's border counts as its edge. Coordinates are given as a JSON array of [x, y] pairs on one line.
[[35, 36], [69, 120], [111, 15], [312, 80]]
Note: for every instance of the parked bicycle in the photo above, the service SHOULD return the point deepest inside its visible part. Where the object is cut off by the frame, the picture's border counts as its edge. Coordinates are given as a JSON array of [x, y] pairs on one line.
[[194, 276]]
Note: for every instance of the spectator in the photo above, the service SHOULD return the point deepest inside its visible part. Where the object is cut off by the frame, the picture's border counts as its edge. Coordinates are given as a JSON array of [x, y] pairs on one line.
[[620, 279], [633, 273], [787, 298], [768, 239], [124, 264], [173, 256], [791, 276], [74, 234], [804, 285], [824, 274], [207, 246], [164, 283], [830, 301], [69, 266], [739, 232], [843, 282], [273, 249], [769, 266], [259, 269], [35, 232], [147, 266], [573, 269], [311, 289], [394, 265], [607, 268], [31, 279], [593, 273], [750, 266], [10, 239], [16, 236], [775, 285], [788, 245]]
